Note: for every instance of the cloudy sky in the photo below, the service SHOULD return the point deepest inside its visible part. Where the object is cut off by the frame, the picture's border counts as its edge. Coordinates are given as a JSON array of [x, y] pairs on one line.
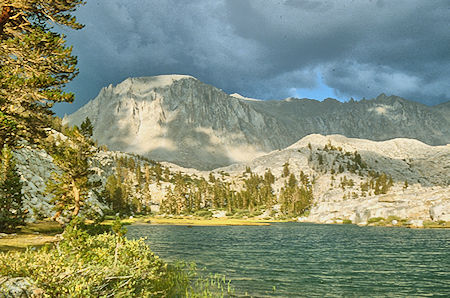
[[269, 49]]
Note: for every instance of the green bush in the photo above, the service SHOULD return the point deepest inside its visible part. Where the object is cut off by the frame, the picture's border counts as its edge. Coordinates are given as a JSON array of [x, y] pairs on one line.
[[375, 219], [203, 213], [347, 222], [103, 265]]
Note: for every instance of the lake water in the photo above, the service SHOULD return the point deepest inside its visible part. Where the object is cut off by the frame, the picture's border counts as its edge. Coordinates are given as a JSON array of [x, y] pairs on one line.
[[308, 260]]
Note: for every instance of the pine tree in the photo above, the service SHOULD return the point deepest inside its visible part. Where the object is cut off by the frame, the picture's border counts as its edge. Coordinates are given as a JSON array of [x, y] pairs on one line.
[[11, 213], [8, 129], [70, 188], [286, 171], [292, 181], [304, 178], [211, 177], [35, 65], [320, 158], [115, 195], [86, 128], [405, 186], [269, 177]]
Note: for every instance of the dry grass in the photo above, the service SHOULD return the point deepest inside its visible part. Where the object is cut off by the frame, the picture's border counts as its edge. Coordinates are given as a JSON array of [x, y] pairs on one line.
[[31, 235], [207, 222], [195, 221]]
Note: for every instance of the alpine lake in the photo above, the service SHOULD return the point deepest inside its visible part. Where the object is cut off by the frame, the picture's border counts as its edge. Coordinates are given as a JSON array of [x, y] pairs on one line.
[[311, 260]]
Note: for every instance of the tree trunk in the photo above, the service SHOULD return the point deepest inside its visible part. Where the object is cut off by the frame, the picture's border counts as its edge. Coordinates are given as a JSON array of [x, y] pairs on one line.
[[76, 197], [57, 215], [4, 17], [60, 209]]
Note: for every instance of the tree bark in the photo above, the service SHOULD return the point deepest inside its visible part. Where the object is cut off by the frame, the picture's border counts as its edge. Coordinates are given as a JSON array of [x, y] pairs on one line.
[[76, 197], [57, 215], [4, 17]]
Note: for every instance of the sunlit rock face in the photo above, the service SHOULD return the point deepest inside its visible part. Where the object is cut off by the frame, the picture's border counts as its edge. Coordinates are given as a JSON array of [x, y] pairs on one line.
[[179, 119], [425, 167]]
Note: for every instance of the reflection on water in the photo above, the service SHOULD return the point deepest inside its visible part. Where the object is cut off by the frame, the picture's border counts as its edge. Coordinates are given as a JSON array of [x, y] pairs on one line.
[[312, 260]]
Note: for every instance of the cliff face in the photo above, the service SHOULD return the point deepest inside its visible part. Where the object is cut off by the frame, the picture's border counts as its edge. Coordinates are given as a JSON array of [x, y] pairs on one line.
[[179, 119]]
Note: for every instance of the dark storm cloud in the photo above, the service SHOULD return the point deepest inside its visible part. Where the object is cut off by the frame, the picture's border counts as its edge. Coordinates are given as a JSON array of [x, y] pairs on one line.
[[267, 49], [361, 48]]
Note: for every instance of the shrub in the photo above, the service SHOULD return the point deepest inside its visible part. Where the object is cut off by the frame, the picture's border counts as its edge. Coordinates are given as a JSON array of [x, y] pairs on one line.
[[375, 219], [103, 265], [203, 213]]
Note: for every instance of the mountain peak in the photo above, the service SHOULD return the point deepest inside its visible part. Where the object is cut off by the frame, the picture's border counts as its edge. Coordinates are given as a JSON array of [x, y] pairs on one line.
[[390, 99], [179, 119], [238, 96], [143, 84]]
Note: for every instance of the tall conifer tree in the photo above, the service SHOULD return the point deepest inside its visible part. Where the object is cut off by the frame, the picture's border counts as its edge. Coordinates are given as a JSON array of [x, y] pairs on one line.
[[70, 188], [35, 65], [11, 213]]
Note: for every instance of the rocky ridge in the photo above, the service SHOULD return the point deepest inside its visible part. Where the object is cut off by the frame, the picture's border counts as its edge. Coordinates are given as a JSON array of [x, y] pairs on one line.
[[181, 120], [35, 167]]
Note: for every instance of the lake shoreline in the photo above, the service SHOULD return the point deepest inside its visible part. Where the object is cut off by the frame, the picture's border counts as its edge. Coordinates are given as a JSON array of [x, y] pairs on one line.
[[45, 231], [195, 221], [225, 221]]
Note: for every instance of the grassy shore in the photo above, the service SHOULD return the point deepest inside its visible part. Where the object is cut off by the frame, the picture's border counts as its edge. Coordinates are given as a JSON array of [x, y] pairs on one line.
[[45, 231], [33, 234], [196, 221]]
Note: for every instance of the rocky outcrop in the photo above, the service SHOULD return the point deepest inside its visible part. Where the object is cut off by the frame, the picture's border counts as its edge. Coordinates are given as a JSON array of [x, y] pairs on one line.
[[35, 167], [417, 204], [426, 169], [181, 120], [441, 211], [19, 287]]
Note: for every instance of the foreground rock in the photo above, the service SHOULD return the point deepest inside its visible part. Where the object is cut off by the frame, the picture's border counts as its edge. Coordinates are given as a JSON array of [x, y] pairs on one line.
[[19, 287], [35, 167]]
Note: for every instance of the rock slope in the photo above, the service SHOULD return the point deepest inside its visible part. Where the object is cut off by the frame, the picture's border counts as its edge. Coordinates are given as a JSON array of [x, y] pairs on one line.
[[340, 179], [179, 119], [425, 168], [35, 167]]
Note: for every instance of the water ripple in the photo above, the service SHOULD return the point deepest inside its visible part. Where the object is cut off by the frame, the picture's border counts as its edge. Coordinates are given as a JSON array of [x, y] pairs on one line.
[[306, 260]]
